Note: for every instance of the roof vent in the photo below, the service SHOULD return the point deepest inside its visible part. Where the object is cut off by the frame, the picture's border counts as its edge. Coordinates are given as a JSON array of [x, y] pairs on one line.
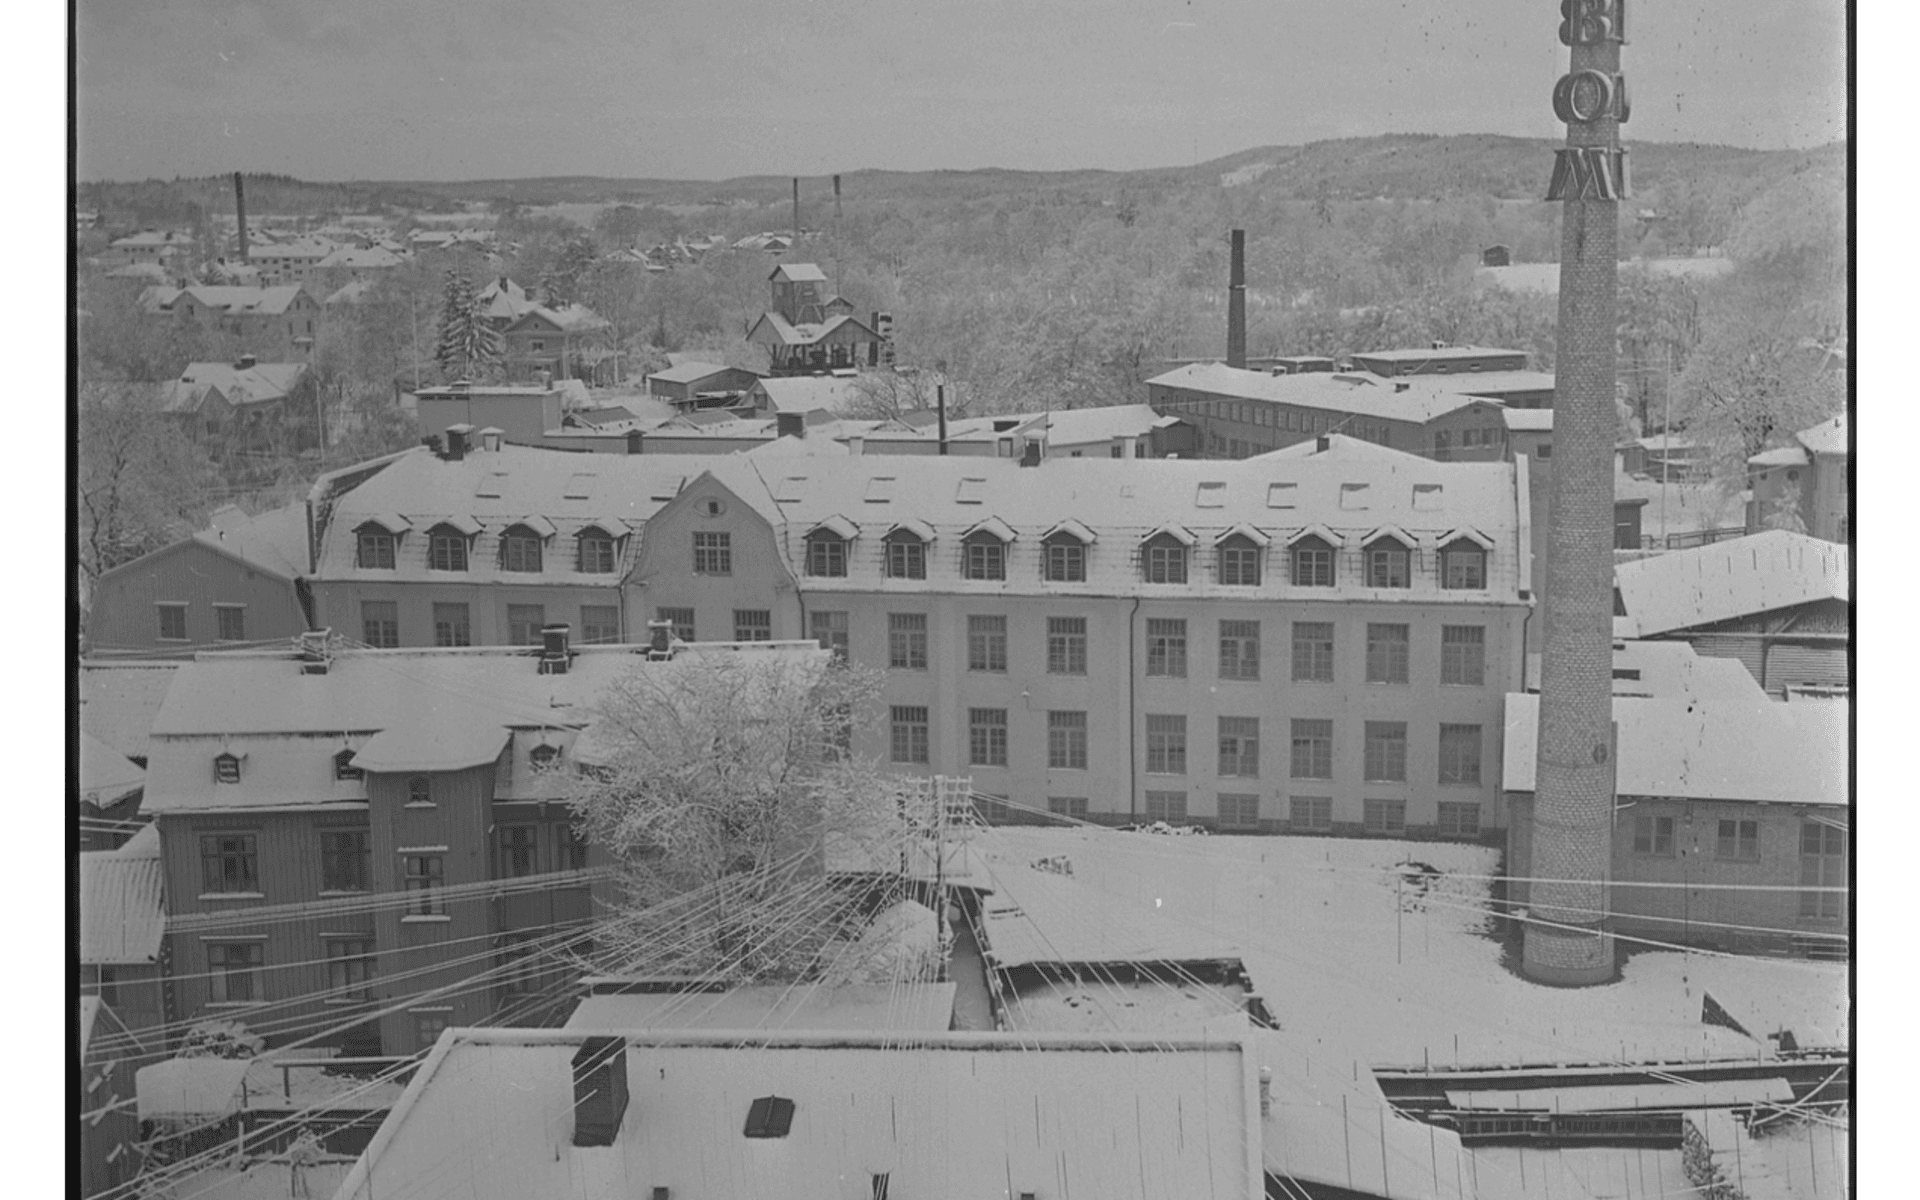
[[491, 437], [1322, 444], [659, 641], [457, 441], [769, 1117], [599, 1090], [244, 362]]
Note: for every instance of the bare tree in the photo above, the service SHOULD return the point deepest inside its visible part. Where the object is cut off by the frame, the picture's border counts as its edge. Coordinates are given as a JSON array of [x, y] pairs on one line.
[[139, 477]]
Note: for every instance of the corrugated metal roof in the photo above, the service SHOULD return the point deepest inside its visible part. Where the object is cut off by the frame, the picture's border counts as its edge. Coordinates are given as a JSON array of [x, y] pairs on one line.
[[1742, 577], [122, 911]]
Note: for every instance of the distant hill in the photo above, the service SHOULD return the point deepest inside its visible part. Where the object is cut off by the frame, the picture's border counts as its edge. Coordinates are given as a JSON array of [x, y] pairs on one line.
[[1391, 166]]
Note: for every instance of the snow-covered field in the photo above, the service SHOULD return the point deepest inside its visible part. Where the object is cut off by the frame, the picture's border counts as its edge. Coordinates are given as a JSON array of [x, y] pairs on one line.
[[1349, 954]]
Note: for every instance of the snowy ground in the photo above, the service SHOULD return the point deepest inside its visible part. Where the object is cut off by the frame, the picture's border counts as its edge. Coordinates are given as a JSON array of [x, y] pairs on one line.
[[1803, 1161], [1343, 954], [271, 1086]]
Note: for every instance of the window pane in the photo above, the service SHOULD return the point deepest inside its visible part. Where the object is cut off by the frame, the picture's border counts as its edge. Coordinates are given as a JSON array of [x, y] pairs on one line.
[[344, 861], [451, 625], [380, 623], [682, 619], [826, 556], [1463, 655], [1312, 749], [1067, 740], [1167, 647], [1386, 752], [599, 624], [752, 625], [906, 559], [907, 641], [1239, 746], [1312, 652], [712, 554], [986, 643], [1167, 744], [1387, 647], [1460, 754], [596, 554], [1239, 649], [1066, 645], [1066, 561], [231, 621], [909, 734], [524, 622], [987, 737], [1310, 812], [830, 630], [1166, 806], [173, 622]]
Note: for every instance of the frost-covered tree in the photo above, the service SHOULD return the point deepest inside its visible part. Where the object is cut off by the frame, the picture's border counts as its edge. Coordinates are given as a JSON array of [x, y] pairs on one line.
[[469, 346], [717, 783]]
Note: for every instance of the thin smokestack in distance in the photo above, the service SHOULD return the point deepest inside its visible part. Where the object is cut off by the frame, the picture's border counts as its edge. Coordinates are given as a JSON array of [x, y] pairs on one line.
[[1237, 302], [796, 208], [240, 212]]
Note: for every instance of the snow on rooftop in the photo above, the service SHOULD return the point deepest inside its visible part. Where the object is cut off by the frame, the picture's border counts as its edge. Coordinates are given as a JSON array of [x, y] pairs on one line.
[[1741, 577], [1316, 924]]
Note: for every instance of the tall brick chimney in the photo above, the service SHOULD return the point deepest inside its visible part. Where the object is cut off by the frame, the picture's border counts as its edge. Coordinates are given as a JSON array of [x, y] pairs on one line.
[[796, 211], [1568, 939], [1237, 302]]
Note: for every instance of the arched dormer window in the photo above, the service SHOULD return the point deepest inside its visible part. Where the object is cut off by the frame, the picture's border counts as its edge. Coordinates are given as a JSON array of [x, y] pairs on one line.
[[1237, 559], [543, 755], [1463, 565], [906, 552], [1389, 563], [595, 551], [1311, 559], [520, 547], [983, 551], [1063, 553], [827, 546], [447, 546], [1163, 557], [343, 767], [374, 543]]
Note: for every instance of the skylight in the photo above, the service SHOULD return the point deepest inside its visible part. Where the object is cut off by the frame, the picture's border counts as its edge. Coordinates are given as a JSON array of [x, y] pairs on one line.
[[769, 1117], [972, 491], [1353, 495], [1426, 497], [880, 489], [491, 485], [1211, 494], [579, 487], [787, 491], [1283, 495]]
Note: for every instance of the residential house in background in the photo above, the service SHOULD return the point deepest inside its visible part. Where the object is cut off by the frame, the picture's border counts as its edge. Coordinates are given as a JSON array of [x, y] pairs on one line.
[[1717, 786], [164, 248], [238, 581], [294, 261], [568, 341], [217, 398], [1776, 601], [691, 386], [522, 412], [1813, 478], [274, 324], [323, 777]]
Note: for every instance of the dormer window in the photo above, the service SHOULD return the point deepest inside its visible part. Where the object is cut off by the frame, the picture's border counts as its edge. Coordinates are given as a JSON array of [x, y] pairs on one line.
[[906, 556], [1164, 559], [1388, 564], [826, 554], [520, 549], [373, 548], [1312, 562], [343, 767], [1064, 558], [1237, 561], [446, 549], [595, 553], [983, 556], [769, 1117], [1463, 565], [226, 768]]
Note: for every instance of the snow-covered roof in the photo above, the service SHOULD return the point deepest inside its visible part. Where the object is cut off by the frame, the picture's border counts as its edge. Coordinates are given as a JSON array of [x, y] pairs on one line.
[[921, 1007], [274, 541], [927, 1113], [807, 393], [689, 372], [118, 701], [186, 1088], [1083, 426], [1528, 420], [799, 273], [397, 710], [1712, 748], [106, 775], [123, 917], [1741, 577], [1783, 456], [256, 383], [1411, 398], [1828, 437], [1034, 916]]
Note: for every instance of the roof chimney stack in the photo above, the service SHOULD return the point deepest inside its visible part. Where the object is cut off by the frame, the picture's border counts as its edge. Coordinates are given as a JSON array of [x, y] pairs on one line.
[[491, 437], [244, 362], [634, 438], [240, 212], [599, 1090], [555, 653], [1322, 443], [314, 654], [659, 640], [836, 198], [458, 438], [1237, 301]]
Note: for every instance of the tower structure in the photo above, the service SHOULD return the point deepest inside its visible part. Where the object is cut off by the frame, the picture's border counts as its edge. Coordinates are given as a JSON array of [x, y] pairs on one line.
[[1568, 939], [1237, 299]]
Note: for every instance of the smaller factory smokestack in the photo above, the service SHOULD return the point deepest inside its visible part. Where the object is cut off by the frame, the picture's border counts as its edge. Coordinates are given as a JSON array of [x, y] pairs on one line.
[[836, 197], [1237, 302], [796, 208], [240, 212]]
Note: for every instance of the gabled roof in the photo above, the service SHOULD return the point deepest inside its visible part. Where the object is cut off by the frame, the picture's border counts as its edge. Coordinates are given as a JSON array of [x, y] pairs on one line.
[[690, 372], [1340, 448], [1080, 426], [1738, 578], [260, 383], [807, 393], [373, 258], [798, 273], [568, 318], [106, 775], [119, 700], [1828, 437], [787, 334], [1782, 456], [239, 301], [123, 917]]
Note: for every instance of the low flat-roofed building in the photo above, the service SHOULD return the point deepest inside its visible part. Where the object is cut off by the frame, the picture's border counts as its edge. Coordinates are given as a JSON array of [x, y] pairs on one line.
[[571, 1113]]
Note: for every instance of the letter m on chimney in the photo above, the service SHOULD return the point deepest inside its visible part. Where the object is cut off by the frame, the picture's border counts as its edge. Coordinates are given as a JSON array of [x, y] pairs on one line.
[[1588, 173]]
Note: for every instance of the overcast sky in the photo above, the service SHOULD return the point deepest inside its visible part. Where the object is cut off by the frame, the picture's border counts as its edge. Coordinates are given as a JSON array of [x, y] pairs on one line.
[[464, 89]]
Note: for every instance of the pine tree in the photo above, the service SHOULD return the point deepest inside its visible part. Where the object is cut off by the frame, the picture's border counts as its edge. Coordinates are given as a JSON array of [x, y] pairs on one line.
[[468, 345]]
